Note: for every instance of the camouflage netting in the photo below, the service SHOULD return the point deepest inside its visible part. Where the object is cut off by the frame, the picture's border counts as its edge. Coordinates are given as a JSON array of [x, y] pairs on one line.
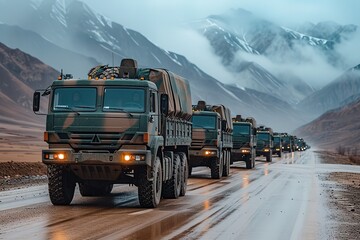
[[177, 88]]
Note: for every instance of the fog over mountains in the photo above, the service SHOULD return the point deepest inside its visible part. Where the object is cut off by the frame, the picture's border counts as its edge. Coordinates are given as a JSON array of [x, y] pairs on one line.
[[69, 35]]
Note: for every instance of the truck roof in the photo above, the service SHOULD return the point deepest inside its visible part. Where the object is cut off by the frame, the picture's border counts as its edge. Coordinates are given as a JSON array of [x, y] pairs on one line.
[[114, 82]]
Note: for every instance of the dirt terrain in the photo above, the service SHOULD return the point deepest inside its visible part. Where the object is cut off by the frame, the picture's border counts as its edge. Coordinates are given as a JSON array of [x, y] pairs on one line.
[[342, 191]]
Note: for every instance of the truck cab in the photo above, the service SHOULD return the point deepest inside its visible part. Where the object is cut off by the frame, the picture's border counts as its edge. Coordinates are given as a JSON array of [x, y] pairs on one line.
[[114, 130], [277, 148], [244, 141], [211, 140], [264, 144]]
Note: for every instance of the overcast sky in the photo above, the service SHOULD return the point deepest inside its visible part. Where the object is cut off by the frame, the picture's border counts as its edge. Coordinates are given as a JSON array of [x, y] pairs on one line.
[[165, 23]]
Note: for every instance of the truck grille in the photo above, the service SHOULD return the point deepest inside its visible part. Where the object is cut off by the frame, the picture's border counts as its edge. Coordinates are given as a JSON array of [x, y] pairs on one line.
[[99, 141]]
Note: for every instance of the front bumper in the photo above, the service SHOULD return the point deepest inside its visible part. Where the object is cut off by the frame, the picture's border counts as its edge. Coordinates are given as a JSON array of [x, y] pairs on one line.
[[69, 157]]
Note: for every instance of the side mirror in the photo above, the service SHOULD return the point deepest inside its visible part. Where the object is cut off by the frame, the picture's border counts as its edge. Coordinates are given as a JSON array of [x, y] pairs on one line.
[[223, 125], [36, 101], [164, 104], [254, 131]]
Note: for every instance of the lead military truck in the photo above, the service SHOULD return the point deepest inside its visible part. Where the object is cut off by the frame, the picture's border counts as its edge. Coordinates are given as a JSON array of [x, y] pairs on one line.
[[244, 141], [122, 125], [211, 139]]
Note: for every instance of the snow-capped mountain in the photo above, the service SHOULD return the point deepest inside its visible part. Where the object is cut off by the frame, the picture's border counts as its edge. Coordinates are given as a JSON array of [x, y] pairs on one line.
[[339, 92], [74, 30], [238, 34]]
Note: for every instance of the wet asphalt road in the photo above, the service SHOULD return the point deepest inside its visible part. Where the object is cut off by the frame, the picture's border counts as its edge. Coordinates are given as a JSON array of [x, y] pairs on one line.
[[278, 200]]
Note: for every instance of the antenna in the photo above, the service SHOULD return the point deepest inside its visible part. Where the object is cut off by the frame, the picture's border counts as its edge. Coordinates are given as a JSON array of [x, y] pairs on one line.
[[113, 66]]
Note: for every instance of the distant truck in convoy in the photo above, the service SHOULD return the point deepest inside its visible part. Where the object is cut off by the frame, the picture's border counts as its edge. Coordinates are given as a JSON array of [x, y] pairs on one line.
[[122, 125], [264, 143], [211, 139], [287, 144], [244, 141], [277, 148]]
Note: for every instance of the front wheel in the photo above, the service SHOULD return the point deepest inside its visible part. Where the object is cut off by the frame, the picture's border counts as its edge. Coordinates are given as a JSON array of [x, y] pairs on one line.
[[249, 162], [216, 169], [269, 157], [184, 174], [226, 169], [61, 185], [150, 191]]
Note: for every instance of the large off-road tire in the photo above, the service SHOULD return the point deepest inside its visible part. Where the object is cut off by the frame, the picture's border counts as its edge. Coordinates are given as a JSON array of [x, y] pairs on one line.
[[226, 169], [184, 174], [249, 162], [150, 191], [269, 157], [95, 189], [61, 185], [216, 169], [253, 159], [172, 187]]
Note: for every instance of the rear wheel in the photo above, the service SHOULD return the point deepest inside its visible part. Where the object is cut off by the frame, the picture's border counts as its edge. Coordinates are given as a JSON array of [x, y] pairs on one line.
[[150, 191], [61, 185], [172, 187]]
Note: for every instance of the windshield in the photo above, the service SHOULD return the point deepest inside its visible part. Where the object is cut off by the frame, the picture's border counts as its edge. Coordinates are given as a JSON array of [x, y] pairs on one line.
[[208, 122], [263, 136], [74, 99], [124, 100], [240, 129], [286, 139], [277, 139]]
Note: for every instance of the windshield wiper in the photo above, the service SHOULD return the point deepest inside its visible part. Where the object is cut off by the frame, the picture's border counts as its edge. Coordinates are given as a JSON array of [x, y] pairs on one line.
[[120, 109], [83, 106]]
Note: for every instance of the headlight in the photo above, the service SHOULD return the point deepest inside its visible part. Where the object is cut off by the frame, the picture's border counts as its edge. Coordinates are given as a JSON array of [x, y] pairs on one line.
[[133, 157], [245, 150], [207, 153], [266, 150], [55, 156]]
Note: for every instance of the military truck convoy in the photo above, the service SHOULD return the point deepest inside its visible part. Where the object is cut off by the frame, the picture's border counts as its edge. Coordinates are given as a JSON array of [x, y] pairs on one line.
[[244, 141], [130, 125], [211, 139]]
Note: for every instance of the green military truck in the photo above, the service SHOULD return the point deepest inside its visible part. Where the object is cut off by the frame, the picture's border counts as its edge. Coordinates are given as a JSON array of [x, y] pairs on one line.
[[277, 148], [264, 143], [244, 141], [287, 145], [122, 125], [211, 139]]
